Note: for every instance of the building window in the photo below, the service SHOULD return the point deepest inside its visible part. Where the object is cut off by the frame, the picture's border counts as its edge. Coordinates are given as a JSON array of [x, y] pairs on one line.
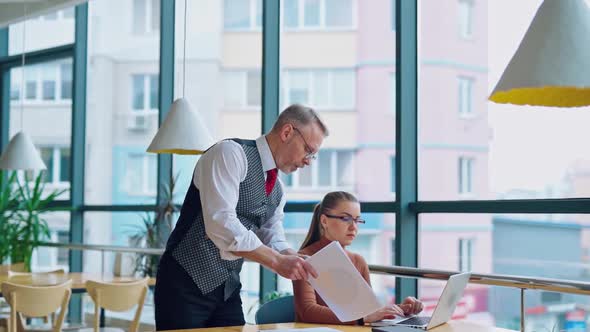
[[465, 96], [58, 162], [333, 169], [466, 18], [48, 82], [140, 174], [242, 89], [242, 14], [466, 175], [328, 89], [318, 14], [466, 254], [145, 92], [393, 173], [146, 16]]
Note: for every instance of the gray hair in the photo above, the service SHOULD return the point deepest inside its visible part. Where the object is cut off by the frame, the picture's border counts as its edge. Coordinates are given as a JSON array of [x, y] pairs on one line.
[[300, 115]]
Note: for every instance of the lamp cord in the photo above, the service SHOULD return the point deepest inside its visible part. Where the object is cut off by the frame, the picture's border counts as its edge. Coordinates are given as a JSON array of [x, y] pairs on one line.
[[22, 82], [184, 53]]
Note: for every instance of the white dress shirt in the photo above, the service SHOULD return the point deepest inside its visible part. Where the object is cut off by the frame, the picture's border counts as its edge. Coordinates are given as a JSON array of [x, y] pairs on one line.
[[218, 175]]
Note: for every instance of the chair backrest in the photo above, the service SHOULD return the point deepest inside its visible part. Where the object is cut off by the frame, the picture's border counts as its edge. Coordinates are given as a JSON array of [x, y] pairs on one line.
[[13, 273], [281, 310], [6, 268], [37, 301], [118, 296]]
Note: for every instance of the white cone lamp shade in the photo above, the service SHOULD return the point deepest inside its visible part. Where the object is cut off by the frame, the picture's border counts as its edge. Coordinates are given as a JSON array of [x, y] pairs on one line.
[[551, 67], [183, 132], [21, 154]]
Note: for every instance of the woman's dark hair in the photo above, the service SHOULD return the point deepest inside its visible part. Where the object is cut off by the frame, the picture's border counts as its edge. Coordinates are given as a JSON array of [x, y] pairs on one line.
[[329, 202]]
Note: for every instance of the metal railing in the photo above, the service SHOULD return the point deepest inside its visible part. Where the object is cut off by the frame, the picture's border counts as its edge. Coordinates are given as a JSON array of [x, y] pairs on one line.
[[521, 282]]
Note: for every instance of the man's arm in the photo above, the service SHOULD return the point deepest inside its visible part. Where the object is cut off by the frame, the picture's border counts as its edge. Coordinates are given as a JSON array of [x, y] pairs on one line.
[[218, 176], [288, 266]]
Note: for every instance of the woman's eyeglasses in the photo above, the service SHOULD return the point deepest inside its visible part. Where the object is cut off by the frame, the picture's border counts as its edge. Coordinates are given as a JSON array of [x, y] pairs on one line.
[[347, 219]]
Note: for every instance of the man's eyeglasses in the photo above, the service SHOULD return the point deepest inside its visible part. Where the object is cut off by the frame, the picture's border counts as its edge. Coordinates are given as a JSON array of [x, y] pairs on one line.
[[347, 219], [310, 154]]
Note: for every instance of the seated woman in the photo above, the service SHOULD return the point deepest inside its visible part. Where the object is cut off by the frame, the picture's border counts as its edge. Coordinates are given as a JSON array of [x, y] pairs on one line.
[[337, 218]]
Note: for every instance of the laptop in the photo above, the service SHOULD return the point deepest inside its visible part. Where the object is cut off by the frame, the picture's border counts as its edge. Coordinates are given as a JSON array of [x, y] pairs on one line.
[[444, 308]]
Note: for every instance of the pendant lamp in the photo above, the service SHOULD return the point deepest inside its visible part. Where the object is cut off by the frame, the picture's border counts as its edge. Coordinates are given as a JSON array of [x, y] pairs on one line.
[[21, 154], [183, 131], [551, 67]]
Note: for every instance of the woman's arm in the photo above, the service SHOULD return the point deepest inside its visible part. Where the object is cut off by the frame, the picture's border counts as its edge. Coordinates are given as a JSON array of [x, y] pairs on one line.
[[308, 310]]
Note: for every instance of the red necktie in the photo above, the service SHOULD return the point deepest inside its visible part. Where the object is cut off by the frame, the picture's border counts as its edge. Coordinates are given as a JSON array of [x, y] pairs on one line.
[[271, 178]]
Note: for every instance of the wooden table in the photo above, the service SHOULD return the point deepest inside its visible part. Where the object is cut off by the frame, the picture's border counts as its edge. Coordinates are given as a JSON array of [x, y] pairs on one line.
[[78, 279], [453, 326]]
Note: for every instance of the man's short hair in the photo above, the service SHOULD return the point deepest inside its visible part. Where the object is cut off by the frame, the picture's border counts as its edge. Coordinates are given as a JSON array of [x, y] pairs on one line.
[[300, 115]]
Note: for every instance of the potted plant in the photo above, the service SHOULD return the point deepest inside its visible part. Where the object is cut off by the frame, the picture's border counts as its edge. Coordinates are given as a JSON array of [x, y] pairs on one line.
[[155, 230], [8, 209], [29, 227]]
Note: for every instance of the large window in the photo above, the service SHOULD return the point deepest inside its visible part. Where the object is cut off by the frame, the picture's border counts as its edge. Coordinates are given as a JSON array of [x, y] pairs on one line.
[[242, 14], [122, 102], [146, 16], [465, 175], [140, 175], [44, 83], [242, 89], [324, 89], [319, 14], [466, 18], [332, 169], [465, 96]]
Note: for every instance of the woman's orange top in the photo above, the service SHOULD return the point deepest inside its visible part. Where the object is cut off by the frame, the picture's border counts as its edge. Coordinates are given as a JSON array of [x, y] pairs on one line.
[[309, 306]]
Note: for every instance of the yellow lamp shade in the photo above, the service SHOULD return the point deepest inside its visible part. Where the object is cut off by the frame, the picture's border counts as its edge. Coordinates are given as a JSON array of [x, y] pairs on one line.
[[551, 66], [182, 132]]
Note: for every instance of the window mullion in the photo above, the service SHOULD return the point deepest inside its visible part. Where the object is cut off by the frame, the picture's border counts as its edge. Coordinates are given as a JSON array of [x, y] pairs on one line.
[[55, 155]]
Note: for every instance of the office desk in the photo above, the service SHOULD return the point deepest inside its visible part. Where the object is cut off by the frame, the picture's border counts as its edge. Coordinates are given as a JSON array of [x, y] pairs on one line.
[[453, 326], [78, 279]]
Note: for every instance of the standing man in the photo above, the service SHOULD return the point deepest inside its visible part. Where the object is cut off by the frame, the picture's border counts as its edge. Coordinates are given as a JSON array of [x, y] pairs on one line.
[[234, 210]]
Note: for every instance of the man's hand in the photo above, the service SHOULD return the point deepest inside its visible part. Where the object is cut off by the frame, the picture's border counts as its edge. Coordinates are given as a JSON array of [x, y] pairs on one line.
[[290, 266], [294, 267]]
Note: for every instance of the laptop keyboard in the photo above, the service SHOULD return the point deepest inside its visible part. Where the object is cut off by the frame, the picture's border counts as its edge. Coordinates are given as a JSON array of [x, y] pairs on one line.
[[416, 320]]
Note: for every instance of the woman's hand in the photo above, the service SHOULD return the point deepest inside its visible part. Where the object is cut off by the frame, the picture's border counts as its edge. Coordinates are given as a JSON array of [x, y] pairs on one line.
[[387, 312], [411, 306]]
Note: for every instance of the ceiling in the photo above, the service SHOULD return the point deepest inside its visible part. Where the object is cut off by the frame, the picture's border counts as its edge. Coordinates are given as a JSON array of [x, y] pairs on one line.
[[11, 11]]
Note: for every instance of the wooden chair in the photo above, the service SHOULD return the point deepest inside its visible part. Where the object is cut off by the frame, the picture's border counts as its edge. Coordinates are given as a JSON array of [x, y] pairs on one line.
[[5, 268], [12, 273], [37, 301], [118, 296]]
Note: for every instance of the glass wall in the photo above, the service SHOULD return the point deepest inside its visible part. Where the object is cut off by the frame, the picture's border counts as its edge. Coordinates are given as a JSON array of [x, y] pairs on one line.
[[223, 76], [338, 56], [537, 245]]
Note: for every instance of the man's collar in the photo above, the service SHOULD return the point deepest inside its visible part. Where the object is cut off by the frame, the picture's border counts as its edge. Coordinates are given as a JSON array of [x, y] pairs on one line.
[[266, 157]]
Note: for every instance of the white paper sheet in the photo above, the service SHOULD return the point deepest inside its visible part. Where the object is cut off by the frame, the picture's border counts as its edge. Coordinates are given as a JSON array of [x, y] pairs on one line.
[[341, 285], [307, 329]]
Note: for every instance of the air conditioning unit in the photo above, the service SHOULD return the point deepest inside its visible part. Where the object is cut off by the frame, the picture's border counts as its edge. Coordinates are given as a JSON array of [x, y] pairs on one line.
[[138, 122]]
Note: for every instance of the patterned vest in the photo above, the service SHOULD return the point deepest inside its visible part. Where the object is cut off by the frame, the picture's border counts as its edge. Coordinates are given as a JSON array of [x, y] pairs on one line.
[[189, 244]]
